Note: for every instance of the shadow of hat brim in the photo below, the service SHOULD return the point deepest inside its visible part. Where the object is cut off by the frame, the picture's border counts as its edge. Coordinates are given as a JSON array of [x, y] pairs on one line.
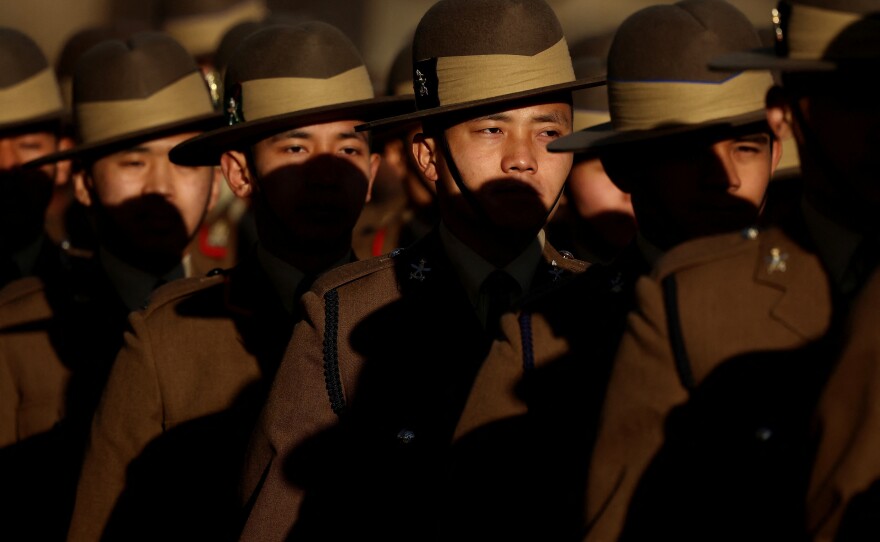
[[18, 125], [207, 148], [601, 137], [104, 147], [434, 112], [767, 59]]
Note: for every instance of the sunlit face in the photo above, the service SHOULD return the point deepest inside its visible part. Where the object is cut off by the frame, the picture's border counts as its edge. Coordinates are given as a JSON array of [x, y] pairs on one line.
[[503, 161], [316, 179], [149, 206], [604, 207], [685, 190], [26, 192]]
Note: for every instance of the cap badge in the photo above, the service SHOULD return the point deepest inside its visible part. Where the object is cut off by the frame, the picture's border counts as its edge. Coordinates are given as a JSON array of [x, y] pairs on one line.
[[555, 271], [776, 261], [420, 270], [423, 87]]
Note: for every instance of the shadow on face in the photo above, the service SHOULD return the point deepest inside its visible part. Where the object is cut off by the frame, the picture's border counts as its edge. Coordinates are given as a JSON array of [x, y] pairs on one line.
[[685, 188], [316, 202]]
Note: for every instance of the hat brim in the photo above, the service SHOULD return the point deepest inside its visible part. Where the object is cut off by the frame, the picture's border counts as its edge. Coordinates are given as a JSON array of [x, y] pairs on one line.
[[207, 148], [767, 59], [18, 125], [601, 137], [109, 146], [434, 112]]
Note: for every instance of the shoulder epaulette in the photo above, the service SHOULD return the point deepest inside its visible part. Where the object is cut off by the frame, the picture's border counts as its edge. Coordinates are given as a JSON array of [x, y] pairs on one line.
[[181, 288], [350, 272], [707, 249]]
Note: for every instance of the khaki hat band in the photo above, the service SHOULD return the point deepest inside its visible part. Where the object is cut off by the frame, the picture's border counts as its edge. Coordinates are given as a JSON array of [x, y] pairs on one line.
[[185, 99], [201, 33], [811, 30], [34, 97], [262, 98], [645, 106], [464, 79]]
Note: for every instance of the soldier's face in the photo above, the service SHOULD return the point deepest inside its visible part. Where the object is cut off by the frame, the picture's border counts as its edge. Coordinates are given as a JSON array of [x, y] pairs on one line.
[[316, 179], [686, 190], [147, 204], [600, 203], [26, 192], [503, 161]]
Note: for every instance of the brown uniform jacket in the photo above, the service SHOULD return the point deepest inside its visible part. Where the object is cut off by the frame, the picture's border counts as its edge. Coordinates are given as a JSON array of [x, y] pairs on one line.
[[524, 438], [352, 441], [704, 413], [167, 439], [844, 490], [58, 338]]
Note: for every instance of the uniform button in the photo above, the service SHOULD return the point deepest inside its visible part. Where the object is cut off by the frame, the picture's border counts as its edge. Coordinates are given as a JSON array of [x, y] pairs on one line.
[[763, 434], [214, 272], [395, 253], [405, 436], [750, 233]]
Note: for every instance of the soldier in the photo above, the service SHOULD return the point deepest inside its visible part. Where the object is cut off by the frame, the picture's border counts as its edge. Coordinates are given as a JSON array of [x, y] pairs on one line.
[[30, 127], [678, 129], [706, 429], [353, 439], [133, 102], [403, 205], [167, 441], [595, 217]]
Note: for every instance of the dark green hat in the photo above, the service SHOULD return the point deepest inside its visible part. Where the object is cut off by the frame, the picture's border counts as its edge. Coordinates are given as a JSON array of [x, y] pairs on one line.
[[475, 53], [29, 92], [659, 82], [286, 76]]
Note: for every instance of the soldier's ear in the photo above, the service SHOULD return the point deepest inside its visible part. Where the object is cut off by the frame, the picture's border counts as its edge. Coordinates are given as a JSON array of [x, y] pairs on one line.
[[424, 150], [82, 185], [235, 168], [62, 168], [779, 113], [375, 160]]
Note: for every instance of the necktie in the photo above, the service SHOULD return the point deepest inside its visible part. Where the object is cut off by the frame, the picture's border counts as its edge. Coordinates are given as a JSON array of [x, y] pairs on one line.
[[499, 291]]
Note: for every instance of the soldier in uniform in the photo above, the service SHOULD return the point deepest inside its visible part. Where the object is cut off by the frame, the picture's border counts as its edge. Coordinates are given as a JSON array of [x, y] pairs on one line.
[[352, 441], [167, 441], [30, 127], [833, 52], [133, 102], [699, 137], [706, 428]]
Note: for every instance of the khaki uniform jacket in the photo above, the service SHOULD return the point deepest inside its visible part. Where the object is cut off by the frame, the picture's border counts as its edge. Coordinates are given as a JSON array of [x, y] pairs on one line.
[[524, 438], [844, 493], [168, 437], [58, 338], [353, 438], [694, 444]]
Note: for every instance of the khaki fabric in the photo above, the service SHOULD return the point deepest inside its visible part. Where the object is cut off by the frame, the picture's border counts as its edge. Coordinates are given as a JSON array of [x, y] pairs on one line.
[[732, 300], [848, 458], [407, 343], [168, 436]]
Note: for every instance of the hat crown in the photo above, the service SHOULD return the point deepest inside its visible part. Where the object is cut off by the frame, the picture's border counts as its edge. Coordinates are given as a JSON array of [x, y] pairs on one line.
[[311, 50], [20, 57], [486, 27], [675, 42], [114, 70]]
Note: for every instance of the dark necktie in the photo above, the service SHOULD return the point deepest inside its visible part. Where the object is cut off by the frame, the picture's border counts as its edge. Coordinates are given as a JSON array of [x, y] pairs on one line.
[[500, 291]]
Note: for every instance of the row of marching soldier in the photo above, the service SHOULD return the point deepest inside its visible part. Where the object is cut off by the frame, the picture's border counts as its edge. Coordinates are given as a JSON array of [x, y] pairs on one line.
[[473, 308]]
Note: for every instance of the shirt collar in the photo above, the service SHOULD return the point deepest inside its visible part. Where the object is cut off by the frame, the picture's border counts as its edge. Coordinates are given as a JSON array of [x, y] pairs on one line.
[[835, 244], [286, 278], [26, 258], [133, 285], [472, 269]]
